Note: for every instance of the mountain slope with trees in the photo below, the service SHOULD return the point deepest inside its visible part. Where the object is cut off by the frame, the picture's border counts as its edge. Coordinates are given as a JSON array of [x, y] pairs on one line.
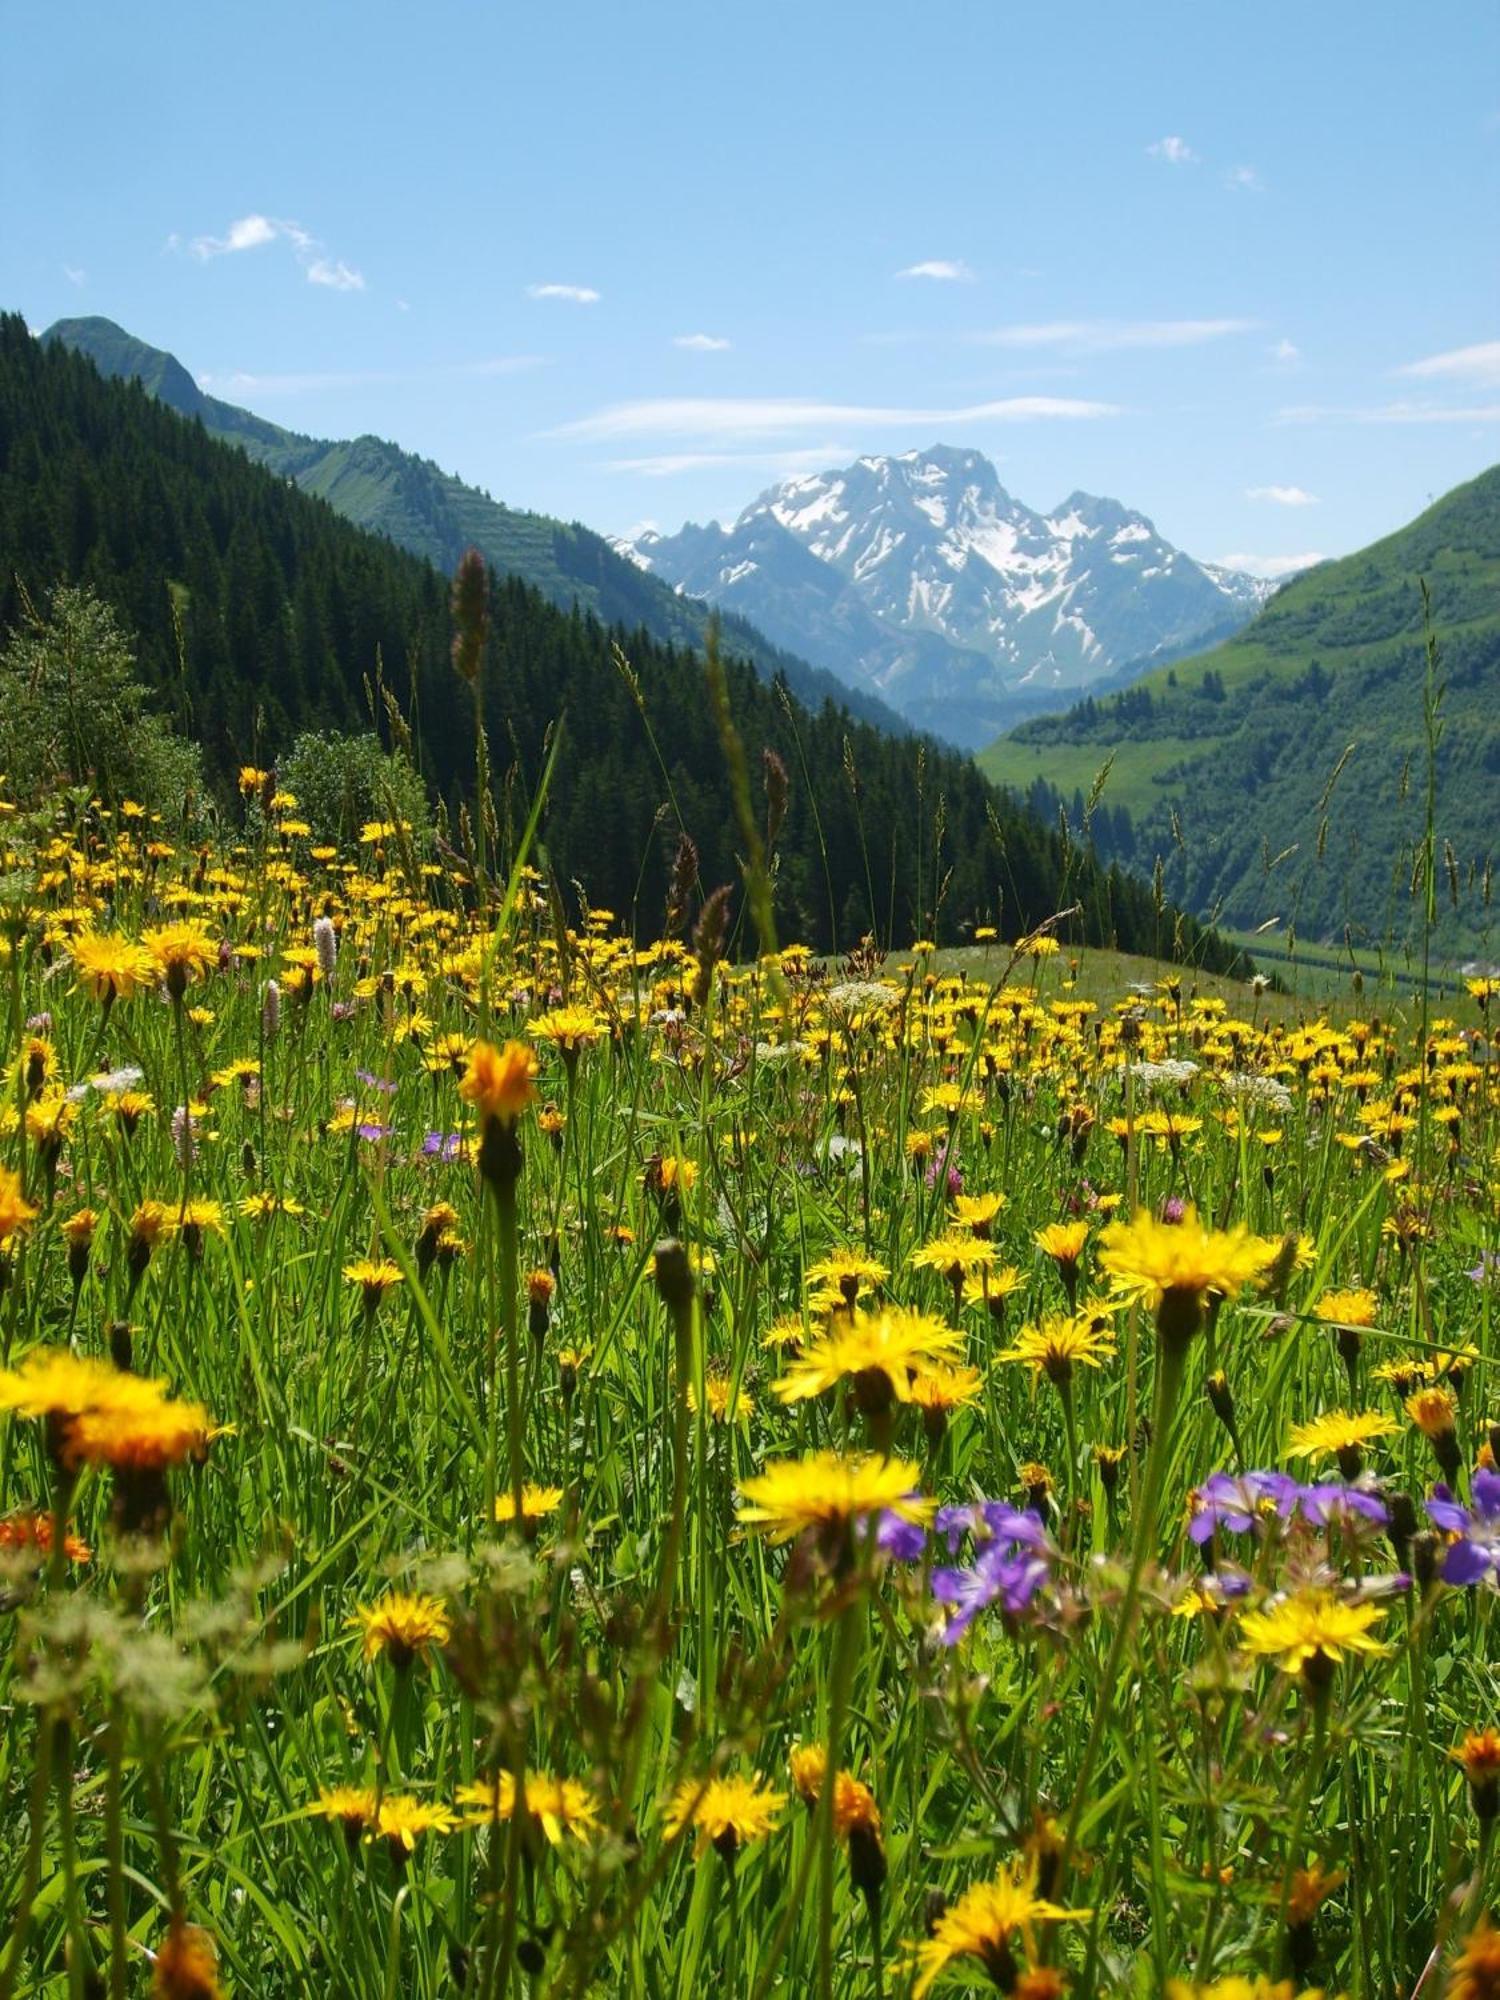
[[432, 513], [1283, 774], [259, 614]]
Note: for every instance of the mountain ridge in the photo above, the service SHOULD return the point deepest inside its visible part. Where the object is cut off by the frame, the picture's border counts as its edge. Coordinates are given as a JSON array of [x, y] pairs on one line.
[[381, 486], [933, 585]]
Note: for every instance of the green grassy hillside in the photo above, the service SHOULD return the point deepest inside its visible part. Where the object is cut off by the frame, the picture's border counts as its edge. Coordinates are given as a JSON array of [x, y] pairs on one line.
[[1282, 774]]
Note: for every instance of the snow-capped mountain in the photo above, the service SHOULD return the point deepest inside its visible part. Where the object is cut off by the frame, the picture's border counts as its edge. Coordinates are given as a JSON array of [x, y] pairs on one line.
[[922, 578]]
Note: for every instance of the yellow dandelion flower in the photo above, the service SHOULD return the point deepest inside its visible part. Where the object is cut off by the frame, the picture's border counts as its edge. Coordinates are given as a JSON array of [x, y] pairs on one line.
[[403, 1624]]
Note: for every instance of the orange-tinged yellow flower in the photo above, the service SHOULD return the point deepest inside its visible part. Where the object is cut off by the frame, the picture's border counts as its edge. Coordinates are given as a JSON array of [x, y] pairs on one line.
[[1060, 1343], [537, 1502], [187, 1966], [16, 1212], [1341, 1434], [402, 1820], [374, 1276], [499, 1083]]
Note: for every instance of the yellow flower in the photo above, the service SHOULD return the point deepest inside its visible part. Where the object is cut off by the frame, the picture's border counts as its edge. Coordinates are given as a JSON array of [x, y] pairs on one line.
[[402, 1820], [111, 967], [16, 1212], [187, 1966], [375, 1276], [353, 1806], [1172, 1265], [561, 1806], [829, 1492], [1310, 1631], [1355, 1308], [499, 1083], [1063, 1242], [846, 1271], [402, 1624], [537, 1502], [1237, 1988], [1342, 1433], [1061, 1342], [878, 1353], [181, 953], [726, 1812], [978, 1211], [1475, 1972], [985, 1924], [567, 1028]]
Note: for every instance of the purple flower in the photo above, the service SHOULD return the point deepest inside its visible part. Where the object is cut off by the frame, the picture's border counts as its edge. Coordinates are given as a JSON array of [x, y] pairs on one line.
[[342, 1010], [901, 1540], [1475, 1556], [1002, 1575], [1236, 1501], [1334, 1502], [373, 1132], [1487, 1268], [373, 1082], [441, 1145], [944, 1168]]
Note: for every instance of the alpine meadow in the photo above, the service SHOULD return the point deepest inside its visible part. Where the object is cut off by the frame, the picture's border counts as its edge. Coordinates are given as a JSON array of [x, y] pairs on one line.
[[749, 1204]]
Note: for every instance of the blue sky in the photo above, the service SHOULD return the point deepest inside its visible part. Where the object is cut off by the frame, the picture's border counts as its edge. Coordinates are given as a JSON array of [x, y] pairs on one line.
[[1233, 264]]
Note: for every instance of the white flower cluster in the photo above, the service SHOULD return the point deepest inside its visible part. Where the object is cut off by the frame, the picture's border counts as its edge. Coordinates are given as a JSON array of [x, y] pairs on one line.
[[1174, 1073], [1254, 1089]]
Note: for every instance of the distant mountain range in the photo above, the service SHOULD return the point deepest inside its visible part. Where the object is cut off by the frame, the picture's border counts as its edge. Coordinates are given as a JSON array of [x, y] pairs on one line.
[[1283, 775], [920, 578], [434, 514]]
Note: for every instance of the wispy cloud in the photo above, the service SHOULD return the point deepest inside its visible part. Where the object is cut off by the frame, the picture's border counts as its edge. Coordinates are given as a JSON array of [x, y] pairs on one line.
[[1271, 567], [1244, 180], [75, 274], [573, 295], [254, 232], [729, 417], [702, 343], [805, 458], [1282, 496], [1103, 336], [947, 270], [240, 382], [1392, 413], [1174, 149], [1285, 352], [1479, 364]]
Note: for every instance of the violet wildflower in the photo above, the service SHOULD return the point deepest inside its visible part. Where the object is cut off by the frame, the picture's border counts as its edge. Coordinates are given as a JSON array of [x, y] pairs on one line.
[[1475, 1556]]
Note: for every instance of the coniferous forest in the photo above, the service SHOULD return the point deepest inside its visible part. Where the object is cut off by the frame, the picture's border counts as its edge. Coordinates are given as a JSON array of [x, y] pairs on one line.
[[258, 614]]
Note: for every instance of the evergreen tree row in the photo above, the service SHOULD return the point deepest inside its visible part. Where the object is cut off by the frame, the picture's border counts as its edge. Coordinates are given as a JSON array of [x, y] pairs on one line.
[[258, 613]]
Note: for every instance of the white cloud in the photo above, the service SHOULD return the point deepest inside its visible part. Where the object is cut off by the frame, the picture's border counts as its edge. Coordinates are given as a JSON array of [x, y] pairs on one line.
[[1102, 336], [254, 232], [1480, 364], [336, 274], [702, 343], [1282, 496], [1174, 150], [1244, 180], [240, 382], [1286, 352], [664, 465], [1392, 413], [947, 270], [1271, 567], [730, 417], [75, 274], [575, 295]]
